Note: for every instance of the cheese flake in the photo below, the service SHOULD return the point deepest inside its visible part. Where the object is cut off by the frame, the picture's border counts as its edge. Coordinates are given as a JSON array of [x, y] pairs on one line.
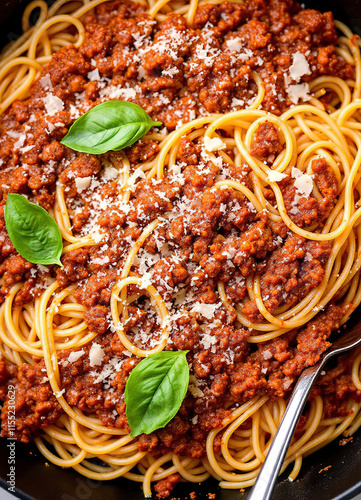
[[296, 172], [110, 173], [96, 355], [94, 75], [46, 82], [113, 92], [52, 104], [299, 67], [170, 72], [97, 235], [275, 176], [235, 44], [267, 354], [213, 144], [206, 310], [304, 184], [82, 183], [299, 92], [74, 356], [237, 102]]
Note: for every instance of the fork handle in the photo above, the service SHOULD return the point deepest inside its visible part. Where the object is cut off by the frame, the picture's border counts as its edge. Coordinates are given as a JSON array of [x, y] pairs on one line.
[[265, 483]]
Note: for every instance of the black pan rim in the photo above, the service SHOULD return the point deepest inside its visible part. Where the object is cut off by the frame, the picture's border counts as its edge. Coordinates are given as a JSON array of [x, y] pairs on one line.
[[20, 494], [349, 494]]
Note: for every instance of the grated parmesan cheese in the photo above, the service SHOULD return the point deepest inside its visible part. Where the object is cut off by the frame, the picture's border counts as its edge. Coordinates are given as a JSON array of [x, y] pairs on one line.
[[74, 356], [213, 144], [195, 420], [46, 82], [287, 383], [304, 184], [170, 72], [52, 104], [96, 355], [235, 44], [194, 388], [237, 102], [25, 149], [206, 310], [82, 183], [94, 75], [97, 235], [113, 92], [110, 173], [296, 172], [299, 67], [299, 91], [267, 354], [275, 176]]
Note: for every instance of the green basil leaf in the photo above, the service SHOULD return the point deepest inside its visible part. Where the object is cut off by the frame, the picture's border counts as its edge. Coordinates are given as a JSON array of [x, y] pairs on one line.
[[34, 234], [109, 126], [155, 390]]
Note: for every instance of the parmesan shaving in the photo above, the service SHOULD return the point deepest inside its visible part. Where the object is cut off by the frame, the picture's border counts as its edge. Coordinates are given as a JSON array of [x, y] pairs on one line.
[[213, 144], [96, 355], [94, 75], [110, 173], [52, 104], [82, 183], [74, 356], [275, 176], [304, 184], [299, 92], [206, 310], [235, 44], [299, 67]]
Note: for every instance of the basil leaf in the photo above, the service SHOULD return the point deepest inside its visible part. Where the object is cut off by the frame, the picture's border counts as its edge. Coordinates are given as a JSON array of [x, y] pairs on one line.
[[34, 234], [155, 390], [109, 126]]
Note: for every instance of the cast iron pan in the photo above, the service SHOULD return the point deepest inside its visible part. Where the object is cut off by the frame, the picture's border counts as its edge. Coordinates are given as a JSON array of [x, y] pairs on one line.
[[38, 480]]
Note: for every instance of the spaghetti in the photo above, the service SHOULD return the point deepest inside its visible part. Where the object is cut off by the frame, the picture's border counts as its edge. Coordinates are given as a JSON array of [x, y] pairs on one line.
[[291, 183]]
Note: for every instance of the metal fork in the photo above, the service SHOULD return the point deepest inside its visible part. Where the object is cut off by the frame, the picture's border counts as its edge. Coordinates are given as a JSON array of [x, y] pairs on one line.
[[265, 483]]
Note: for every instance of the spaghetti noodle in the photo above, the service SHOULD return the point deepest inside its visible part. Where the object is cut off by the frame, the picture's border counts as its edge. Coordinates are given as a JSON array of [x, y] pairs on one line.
[[227, 236]]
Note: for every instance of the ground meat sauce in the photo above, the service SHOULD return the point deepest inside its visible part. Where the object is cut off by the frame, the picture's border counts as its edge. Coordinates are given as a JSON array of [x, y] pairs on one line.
[[175, 73]]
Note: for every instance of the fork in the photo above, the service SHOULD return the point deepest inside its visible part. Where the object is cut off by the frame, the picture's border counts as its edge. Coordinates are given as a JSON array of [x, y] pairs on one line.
[[265, 483]]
